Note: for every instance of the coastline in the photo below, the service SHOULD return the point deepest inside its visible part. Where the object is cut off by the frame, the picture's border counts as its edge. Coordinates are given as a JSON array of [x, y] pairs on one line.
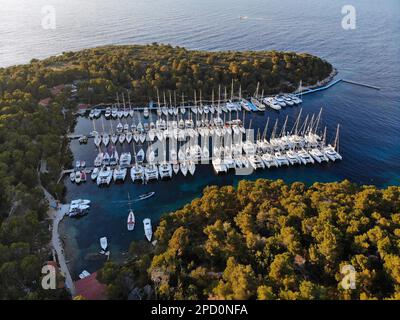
[[321, 83]]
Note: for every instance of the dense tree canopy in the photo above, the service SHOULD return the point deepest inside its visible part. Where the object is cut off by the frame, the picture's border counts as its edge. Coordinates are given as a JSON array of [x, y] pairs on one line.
[[144, 68], [270, 240]]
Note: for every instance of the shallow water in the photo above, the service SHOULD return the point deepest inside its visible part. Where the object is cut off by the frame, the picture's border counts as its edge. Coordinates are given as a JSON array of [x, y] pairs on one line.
[[370, 119]]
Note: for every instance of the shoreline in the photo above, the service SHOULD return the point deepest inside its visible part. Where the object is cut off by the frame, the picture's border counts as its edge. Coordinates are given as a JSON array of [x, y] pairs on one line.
[[321, 83]]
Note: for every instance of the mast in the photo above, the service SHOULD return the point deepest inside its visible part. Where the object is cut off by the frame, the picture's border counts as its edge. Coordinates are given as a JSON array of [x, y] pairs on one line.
[[283, 131], [258, 86], [274, 129], [296, 123], [304, 126], [317, 121], [232, 90], [225, 95], [324, 137], [265, 130], [175, 98], [336, 143]]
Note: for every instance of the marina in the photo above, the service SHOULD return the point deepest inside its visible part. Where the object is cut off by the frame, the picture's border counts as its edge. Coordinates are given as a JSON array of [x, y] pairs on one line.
[[167, 147]]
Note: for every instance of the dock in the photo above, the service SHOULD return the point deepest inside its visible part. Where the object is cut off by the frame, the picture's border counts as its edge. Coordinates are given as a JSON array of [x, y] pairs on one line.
[[336, 82], [361, 84]]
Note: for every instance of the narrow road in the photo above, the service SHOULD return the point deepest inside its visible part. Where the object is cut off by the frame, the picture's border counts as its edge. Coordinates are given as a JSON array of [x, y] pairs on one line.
[[57, 214]]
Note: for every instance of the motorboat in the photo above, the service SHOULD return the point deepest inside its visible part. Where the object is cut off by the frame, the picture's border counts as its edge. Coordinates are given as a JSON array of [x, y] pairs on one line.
[[148, 230], [84, 274], [258, 104], [280, 101], [145, 196], [288, 101], [271, 102], [103, 243], [72, 176], [95, 173]]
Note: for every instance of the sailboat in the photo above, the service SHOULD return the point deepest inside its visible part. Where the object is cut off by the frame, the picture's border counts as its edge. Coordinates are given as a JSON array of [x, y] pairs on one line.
[[148, 230], [130, 223]]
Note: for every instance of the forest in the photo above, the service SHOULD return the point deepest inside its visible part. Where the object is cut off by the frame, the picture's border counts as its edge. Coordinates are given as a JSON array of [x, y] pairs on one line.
[[34, 118], [270, 240]]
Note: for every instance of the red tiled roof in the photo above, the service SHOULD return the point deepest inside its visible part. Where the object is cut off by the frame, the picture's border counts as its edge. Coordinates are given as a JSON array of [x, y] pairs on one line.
[[83, 106], [57, 89], [90, 288], [45, 102]]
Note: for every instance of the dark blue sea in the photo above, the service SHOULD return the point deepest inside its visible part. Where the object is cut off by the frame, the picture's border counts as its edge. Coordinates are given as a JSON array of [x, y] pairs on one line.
[[369, 119]]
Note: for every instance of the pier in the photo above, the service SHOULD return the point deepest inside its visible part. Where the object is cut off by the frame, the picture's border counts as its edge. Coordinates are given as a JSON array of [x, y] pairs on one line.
[[361, 84], [336, 82]]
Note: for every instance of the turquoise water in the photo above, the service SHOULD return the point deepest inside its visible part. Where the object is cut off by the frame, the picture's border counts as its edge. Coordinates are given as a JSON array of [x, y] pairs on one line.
[[370, 119]]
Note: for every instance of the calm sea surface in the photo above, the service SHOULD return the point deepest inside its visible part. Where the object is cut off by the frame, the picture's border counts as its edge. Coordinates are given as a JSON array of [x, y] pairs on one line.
[[370, 119]]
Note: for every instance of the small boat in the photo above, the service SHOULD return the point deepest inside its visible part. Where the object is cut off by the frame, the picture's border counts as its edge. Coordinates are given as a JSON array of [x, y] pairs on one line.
[[103, 243], [84, 274], [72, 176], [184, 168], [192, 167], [121, 138], [146, 112], [140, 156], [130, 223], [78, 177], [128, 137], [175, 167], [145, 196], [95, 173], [148, 230], [105, 139]]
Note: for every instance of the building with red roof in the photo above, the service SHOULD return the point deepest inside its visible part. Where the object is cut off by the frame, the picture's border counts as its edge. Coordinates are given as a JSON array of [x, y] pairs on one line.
[[90, 288]]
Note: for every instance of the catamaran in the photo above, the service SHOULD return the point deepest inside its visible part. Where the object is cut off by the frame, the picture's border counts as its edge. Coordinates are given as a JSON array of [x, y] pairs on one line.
[[119, 174], [165, 170], [104, 176]]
